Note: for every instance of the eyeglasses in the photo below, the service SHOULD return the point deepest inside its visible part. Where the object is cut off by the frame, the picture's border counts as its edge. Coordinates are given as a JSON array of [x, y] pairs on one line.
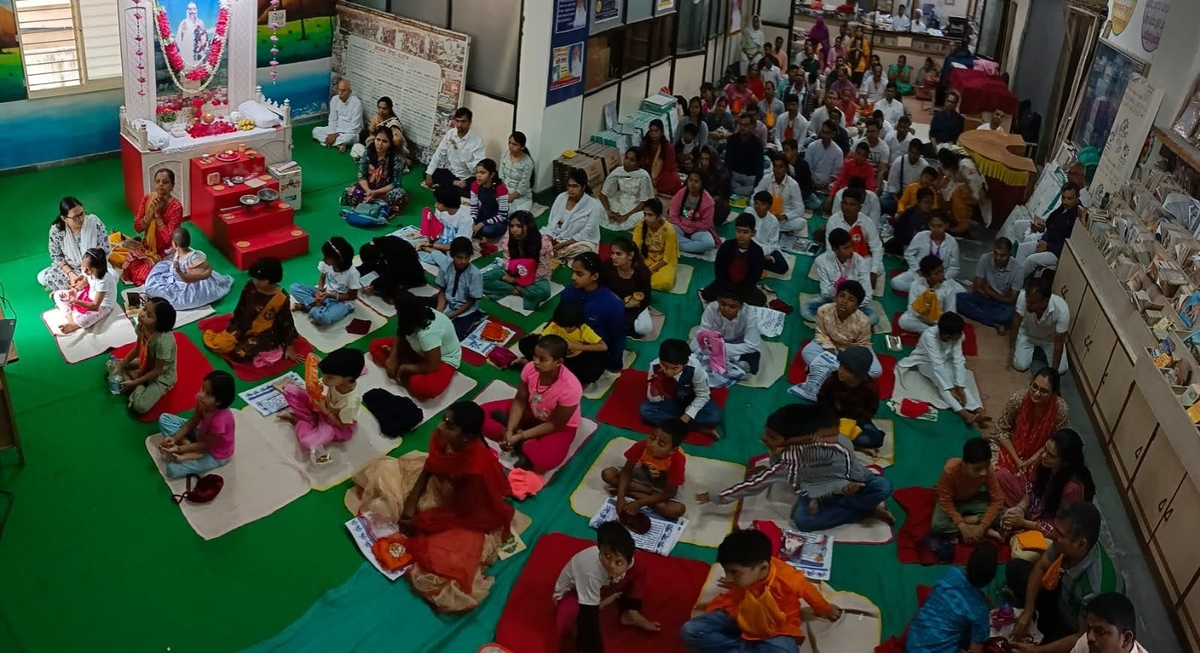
[[1038, 390]]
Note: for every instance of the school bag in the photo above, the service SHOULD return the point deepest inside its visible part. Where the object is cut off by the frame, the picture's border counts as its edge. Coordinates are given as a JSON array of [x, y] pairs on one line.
[[200, 489]]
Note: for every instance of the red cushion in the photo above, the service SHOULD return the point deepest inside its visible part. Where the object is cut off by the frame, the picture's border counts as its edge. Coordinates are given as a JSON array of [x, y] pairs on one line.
[[247, 371], [190, 368], [918, 504], [970, 347], [620, 409]]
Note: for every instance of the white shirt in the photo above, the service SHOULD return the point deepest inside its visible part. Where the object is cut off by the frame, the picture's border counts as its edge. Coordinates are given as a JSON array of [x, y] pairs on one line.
[[107, 285], [1055, 319], [892, 111], [870, 231], [824, 162], [580, 224], [346, 117], [871, 207], [586, 575], [819, 116], [987, 127], [1082, 646], [830, 270], [699, 386], [799, 127], [874, 89], [880, 152], [766, 231], [901, 23], [740, 334], [904, 172], [458, 154], [454, 225], [339, 282], [897, 147], [789, 190], [922, 245], [944, 358]]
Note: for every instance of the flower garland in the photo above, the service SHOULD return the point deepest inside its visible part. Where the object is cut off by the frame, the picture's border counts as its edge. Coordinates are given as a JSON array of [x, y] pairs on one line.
[[140, 47], [206, 71], [274, 42]]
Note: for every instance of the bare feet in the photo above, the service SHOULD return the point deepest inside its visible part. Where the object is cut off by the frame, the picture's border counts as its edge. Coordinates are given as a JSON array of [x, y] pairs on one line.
[[884, 515], [1002, 329], [968, 417], [287, 416], [638, 620], [69, 328], [298, 307]]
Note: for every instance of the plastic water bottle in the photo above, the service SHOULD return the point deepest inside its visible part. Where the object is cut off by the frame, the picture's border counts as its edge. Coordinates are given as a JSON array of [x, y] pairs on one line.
[[114, 379]]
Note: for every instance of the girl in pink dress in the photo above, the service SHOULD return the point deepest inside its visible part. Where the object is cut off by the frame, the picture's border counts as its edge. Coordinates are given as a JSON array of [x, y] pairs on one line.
[[333, 416]]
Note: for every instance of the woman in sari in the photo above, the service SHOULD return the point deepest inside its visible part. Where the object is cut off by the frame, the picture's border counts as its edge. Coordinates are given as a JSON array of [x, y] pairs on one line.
[[380, 172], [657, 156], [523, 245], [625, 192], [260, 330], [858, 59], [1028, 419], [72, 233], [450, 505], [752, 42], [384, 116], [1062, 478], [158, 216], [901, 73], [818, 36], [927, 79]]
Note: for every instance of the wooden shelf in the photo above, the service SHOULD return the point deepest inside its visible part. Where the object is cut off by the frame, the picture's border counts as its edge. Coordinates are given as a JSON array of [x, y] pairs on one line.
[[1189, 153]]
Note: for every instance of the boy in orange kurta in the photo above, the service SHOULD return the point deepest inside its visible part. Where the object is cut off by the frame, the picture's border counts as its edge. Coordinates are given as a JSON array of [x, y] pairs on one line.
[[760, 610]]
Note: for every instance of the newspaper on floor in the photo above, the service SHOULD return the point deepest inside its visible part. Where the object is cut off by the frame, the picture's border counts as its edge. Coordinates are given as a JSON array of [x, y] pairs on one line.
[[365, 531], [478, 344], [770, 321], [411, 233], [809, 553], [662, 536], [799, 245], [266, 399]]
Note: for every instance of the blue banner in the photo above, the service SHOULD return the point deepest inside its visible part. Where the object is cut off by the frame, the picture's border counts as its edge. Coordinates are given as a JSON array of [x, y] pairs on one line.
[[568, 46]]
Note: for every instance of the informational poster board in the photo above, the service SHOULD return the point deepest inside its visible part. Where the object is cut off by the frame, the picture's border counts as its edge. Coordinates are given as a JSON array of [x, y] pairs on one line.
[[422, 68], [1134, 119], [568, 45], [1136, 26]]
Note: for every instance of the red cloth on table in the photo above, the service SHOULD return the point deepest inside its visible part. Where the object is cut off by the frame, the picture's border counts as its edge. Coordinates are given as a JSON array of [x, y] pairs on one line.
[[981, 92], [246, 371], [528, 623], [628, 393], [918, 504], [190, 369]]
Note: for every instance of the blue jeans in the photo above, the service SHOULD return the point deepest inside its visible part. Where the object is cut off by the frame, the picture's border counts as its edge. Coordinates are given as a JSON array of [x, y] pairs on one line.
[[842, 509], [742, 184], [494, 230], [436, 258], [984, 310], [814, 201], [169, 425], [808, 310], [330, 311], [717, 632], [871, 437], [888, 203], [698, 243], [660, 412]]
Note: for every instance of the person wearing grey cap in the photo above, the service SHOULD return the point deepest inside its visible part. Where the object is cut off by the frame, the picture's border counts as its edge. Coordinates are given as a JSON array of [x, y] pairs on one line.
[[853, 394]]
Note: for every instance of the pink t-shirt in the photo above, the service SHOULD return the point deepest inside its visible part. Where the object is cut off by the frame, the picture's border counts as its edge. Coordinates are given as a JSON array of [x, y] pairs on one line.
[[566, 391], [216, 431]]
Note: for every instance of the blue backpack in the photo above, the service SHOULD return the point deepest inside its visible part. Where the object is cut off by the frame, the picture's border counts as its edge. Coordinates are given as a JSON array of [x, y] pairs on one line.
[[367, 215]]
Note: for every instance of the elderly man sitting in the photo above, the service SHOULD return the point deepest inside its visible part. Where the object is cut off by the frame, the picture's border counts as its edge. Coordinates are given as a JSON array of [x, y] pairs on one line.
[[345, 120]]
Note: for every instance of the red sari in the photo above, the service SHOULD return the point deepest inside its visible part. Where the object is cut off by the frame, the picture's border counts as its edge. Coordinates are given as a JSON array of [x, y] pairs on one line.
[[1029, 430], [156, 242]]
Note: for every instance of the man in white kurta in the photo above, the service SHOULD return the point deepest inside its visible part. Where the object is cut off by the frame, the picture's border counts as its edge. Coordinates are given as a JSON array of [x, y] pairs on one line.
[[345, 120], [454, 161]]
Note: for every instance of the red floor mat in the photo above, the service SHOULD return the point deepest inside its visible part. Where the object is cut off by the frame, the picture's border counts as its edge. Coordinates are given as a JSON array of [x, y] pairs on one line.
[[628, 393], [528, 623], [246, 371], [190, 369], [970, 347], [798, 372], [918, 503]]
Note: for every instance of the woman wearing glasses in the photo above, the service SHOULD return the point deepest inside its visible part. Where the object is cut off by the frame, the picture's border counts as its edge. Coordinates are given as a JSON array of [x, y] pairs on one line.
[[1027, 421], [72, 233]]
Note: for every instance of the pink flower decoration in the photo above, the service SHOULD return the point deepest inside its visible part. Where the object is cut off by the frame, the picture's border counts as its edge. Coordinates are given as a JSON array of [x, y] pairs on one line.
[[274, 39]]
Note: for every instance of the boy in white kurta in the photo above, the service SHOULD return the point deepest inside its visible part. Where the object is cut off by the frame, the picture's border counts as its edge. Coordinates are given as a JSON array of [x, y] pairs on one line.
[[939, 358]]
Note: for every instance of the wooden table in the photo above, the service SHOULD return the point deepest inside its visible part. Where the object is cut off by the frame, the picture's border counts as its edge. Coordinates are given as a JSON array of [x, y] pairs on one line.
[[8, 420], [1001, 158]]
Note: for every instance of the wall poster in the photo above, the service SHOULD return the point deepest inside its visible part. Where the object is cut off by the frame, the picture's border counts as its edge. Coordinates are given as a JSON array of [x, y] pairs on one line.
[[421, 67], [568, 46]]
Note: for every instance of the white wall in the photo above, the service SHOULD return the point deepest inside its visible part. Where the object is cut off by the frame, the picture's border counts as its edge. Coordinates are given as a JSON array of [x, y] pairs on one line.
[[633, 91], [1177, 60], [560, 131], [493, 119], [531, 93], [689, 75], [593, 109], [660, 76]]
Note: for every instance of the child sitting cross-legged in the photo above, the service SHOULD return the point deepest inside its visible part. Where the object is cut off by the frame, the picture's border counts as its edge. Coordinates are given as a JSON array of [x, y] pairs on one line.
[[955, 617], [728, 338], [204, 442], [939, 358], [452, 221], [970, 501], [740, 263], [587, 353], [835, 267], [678, 389], [593, 579], [760, 610], [148, 371], [766, 233], [818, 466], [460, 287], [333, 415], [930, 296], [652, 474], [842, 324], [854, 396], [89, 302], [931, 242], [333, 297]]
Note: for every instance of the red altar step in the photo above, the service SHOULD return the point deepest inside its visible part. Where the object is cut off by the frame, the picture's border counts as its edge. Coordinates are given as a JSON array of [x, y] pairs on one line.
[[210, 201], [243, 223], [280, 243]]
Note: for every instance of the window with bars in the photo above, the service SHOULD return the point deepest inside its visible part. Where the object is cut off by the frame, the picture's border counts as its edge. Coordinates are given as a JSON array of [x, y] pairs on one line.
[[68, 44]]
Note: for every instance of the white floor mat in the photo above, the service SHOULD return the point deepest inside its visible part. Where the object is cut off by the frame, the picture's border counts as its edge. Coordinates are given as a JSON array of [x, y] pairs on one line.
[[332, 337], [115, 330], [775, 505], [886, 455], [499, 390], [381, 307], [707, 525], [771, 368], [182, 318], [657, 319], [911, 384], [804, 299], [601, 386], [710, 255], [786, 276], [258, 481], [859, 629], [518, 304], [683, 279]]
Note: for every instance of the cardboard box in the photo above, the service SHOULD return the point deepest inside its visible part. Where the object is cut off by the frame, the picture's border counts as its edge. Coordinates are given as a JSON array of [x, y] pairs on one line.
[[289, 182]]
